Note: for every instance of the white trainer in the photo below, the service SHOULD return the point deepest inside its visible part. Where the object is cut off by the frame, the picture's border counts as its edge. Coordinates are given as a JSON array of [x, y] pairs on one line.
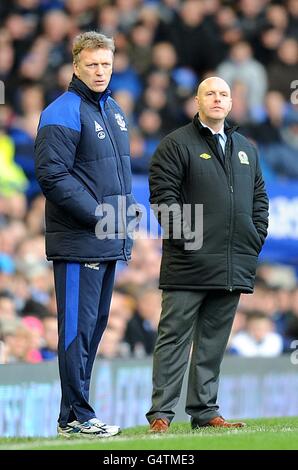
[[109, 427], [91, 428]]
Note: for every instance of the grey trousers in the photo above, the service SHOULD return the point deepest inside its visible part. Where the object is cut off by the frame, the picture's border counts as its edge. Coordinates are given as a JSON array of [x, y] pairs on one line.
[[204, 318]]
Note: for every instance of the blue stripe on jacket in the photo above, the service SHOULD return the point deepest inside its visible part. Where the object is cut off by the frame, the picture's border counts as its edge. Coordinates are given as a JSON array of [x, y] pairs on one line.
[[69, 113]]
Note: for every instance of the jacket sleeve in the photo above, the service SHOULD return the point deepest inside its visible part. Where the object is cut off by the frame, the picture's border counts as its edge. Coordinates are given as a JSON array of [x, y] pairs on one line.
[[260, 204], [55, 150], [167, 172]]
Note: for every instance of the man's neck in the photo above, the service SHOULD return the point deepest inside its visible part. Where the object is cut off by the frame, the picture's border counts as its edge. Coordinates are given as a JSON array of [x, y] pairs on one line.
[[216, 126], [81, 88]]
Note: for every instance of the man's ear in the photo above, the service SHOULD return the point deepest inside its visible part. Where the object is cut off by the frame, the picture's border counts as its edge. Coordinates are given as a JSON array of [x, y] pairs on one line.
[[198, 101], [75, 69]]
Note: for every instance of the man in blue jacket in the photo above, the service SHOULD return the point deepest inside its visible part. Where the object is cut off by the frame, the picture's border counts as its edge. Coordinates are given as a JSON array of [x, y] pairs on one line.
[[83, 167]]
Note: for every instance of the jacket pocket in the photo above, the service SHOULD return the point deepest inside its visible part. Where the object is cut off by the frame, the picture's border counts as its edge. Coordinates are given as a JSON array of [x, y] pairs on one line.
[[246, 239]]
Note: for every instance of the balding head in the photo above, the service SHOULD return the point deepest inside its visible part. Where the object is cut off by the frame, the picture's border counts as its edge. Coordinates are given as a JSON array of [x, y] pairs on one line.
[[214, 102], [213, 82]]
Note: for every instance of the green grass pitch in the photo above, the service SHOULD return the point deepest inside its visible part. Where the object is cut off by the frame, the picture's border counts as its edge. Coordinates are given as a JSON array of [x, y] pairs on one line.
[[262, 434]]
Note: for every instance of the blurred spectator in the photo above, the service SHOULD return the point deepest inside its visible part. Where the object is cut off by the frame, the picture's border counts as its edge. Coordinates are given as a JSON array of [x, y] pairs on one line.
[[23, 133], [283, 71], [113, 343], [239, 325], [164, 57], [35, 309], [140, 48], [242, 66], [268, 131], [269, 40], [228, 26], [292, 6], [49, 349], [240, 112], [35, 327], [140, 153], [141, 330], [128, 13], [124, 76], [277, 16], [252, 17], [7, 306], [35, 216], [187, 31], [12, 177], [108, 19], [291, 321], [34, 62], [281, 156], [258, 339], [16, 339]]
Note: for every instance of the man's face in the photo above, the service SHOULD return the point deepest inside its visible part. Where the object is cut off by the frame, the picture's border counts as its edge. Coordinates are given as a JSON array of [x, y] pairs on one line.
[[94, 68], [214, 100]]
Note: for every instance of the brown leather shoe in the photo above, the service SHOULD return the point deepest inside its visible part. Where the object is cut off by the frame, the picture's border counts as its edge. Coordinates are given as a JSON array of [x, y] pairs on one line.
[[220, 422], [159, 425]]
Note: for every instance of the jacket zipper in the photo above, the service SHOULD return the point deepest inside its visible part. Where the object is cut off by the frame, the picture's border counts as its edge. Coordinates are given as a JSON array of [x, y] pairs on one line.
[[231, 221], [110, 133], [228, 172]]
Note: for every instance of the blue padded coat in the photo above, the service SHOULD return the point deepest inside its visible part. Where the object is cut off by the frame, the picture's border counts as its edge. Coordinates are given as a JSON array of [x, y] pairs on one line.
[[82, 164]]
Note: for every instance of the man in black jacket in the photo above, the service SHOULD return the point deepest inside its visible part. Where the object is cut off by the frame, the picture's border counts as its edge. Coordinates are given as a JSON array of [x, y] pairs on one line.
[[209, 165], [83, 167]]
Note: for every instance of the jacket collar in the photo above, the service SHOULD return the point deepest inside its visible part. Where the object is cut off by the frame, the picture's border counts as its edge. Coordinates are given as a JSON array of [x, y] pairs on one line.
[[204, 131], [80, 88]]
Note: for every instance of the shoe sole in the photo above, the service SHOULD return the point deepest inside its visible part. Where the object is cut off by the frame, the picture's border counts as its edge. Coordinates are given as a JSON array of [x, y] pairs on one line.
[[70, 435], [85, 435]]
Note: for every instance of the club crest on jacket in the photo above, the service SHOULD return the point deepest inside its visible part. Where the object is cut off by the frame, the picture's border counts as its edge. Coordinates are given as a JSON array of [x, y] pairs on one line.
[[120, 121], [243, 157]]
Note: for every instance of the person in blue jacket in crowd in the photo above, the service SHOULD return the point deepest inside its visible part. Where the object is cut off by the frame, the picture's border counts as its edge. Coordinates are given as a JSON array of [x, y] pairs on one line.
[[83, 167]]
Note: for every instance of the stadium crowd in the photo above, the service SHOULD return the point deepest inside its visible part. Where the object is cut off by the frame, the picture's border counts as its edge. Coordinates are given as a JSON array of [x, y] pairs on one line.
[[163, 49]]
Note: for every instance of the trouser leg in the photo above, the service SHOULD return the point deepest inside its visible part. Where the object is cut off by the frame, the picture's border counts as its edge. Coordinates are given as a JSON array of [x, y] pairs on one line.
[[78, 291], [212, 330], [171, 353], [102, 320]]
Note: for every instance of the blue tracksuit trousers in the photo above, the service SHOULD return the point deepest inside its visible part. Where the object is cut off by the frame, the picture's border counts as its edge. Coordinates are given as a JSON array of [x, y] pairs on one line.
[[83, 294]]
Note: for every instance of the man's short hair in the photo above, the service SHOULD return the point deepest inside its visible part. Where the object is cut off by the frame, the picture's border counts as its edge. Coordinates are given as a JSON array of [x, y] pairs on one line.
[[91, 40]]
